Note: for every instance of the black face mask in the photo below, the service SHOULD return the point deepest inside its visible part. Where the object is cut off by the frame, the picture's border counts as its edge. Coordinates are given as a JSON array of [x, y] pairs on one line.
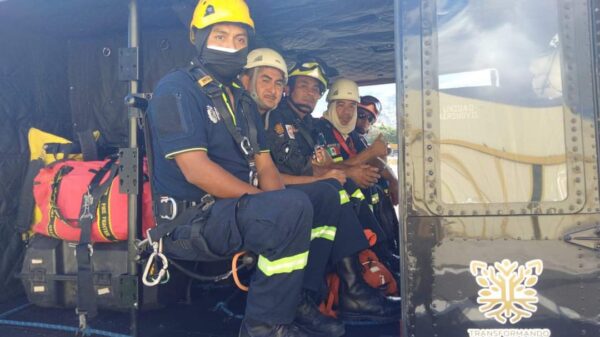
[[223, 65]]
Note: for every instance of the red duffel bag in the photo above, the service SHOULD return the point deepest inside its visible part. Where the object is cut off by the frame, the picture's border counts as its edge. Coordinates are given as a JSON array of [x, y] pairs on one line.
[[64, 192]]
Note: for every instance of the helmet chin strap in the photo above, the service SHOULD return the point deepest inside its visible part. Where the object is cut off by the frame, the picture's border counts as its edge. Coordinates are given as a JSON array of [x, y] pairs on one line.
[[252, 89], [254, 94], [200, 37], [300, 107]]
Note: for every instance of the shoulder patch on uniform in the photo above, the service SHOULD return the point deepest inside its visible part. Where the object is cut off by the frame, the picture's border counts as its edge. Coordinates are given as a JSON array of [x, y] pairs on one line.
[[291, 131], [213, 114], [278, 129], [205, 80]]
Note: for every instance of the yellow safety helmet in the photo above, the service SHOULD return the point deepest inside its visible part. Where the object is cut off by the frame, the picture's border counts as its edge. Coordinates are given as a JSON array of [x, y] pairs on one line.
[[265, 57], [343, 88], [209, 12]]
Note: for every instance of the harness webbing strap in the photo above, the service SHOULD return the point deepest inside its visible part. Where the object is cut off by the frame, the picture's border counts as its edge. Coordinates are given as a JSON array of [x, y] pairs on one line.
[[349, 148], [89, 150], [300, 126], [215, 91], [54, 210], [86, 296]]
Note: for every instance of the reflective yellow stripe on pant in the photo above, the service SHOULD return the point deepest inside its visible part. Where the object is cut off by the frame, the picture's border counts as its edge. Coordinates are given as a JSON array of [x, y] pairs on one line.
[[283, 265]]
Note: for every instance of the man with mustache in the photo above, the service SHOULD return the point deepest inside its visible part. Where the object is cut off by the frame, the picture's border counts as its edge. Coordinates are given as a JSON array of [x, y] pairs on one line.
[[265, 77], [216, 188]]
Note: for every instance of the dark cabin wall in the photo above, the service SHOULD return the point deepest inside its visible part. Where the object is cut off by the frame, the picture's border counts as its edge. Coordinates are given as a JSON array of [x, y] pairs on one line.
[[64, 85], [97, 95], [164, 50], [33, 93]]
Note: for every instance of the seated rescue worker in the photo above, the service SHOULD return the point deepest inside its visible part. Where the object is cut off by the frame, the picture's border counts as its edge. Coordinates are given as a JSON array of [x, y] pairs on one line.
[[293, 139], [369, 108], [218, 190], [298, 150], [265, 77], [344, 145]]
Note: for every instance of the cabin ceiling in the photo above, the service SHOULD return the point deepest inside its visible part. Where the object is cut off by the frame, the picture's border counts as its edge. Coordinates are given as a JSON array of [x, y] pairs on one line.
[[355, 37]]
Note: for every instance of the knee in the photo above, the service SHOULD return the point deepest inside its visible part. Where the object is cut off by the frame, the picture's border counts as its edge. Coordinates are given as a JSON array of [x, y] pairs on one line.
[[293, 204], [293, 215], [331, 193], [325, 194]]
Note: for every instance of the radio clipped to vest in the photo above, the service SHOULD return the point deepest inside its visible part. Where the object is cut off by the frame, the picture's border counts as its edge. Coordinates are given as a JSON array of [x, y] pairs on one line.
[[247, 143]]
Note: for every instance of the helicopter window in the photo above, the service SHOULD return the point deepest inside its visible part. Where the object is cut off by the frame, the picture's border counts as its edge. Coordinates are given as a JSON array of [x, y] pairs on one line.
[[502, 135]]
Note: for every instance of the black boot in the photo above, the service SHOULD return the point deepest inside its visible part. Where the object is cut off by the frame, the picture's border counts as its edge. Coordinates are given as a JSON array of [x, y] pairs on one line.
[[311, 320], [358, 300], [252, 328]]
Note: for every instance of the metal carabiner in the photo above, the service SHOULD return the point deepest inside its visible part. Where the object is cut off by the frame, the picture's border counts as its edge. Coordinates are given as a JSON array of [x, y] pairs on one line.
[[253, 178], [165, 200], [245, 146], [156, 254]]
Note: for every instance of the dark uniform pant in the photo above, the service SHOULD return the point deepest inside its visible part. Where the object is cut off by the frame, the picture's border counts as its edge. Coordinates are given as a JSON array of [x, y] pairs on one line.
[[363, 210], [276, 226], [336, 231]]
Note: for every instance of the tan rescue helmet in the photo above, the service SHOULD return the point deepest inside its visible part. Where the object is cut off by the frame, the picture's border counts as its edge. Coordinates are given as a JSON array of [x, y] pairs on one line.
[[343, 88], [209, 12], [265, 57]]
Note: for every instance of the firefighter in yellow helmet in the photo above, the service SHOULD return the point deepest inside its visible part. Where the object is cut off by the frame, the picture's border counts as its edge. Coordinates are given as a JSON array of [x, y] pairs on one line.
[[207, 152]]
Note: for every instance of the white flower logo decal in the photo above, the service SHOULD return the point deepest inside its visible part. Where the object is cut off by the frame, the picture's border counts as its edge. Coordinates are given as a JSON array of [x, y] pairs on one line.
[[507, 293]]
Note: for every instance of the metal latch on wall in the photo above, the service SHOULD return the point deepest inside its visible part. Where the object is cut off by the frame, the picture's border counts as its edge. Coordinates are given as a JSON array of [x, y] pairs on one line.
[[588, 237]]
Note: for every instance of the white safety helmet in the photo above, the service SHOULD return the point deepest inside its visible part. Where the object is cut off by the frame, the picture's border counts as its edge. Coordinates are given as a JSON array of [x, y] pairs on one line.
[[343, 88], [265, 57]]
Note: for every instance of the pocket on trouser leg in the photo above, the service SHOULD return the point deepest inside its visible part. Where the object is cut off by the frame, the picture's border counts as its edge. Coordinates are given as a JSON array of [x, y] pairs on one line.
[[188, 243], [179, 246], [220, 231]]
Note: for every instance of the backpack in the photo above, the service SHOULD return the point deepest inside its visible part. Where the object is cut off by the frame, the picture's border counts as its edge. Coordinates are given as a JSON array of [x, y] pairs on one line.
[[62, 193]]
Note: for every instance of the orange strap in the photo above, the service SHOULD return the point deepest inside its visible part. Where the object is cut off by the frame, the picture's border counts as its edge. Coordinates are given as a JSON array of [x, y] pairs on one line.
[[326, 308], [234, 271], [371, 237], [350, 150]]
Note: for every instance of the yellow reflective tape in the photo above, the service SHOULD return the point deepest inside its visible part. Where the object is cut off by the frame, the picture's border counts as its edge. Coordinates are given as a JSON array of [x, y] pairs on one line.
[[323, 232], [358, 194], [338, 159], [344, 197], [283, 265], [374, 198], [226, 100]]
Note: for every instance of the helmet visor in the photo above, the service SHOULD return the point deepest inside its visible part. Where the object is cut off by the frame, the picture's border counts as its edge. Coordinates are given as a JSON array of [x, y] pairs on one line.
[[312, 68], [370, 100]]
